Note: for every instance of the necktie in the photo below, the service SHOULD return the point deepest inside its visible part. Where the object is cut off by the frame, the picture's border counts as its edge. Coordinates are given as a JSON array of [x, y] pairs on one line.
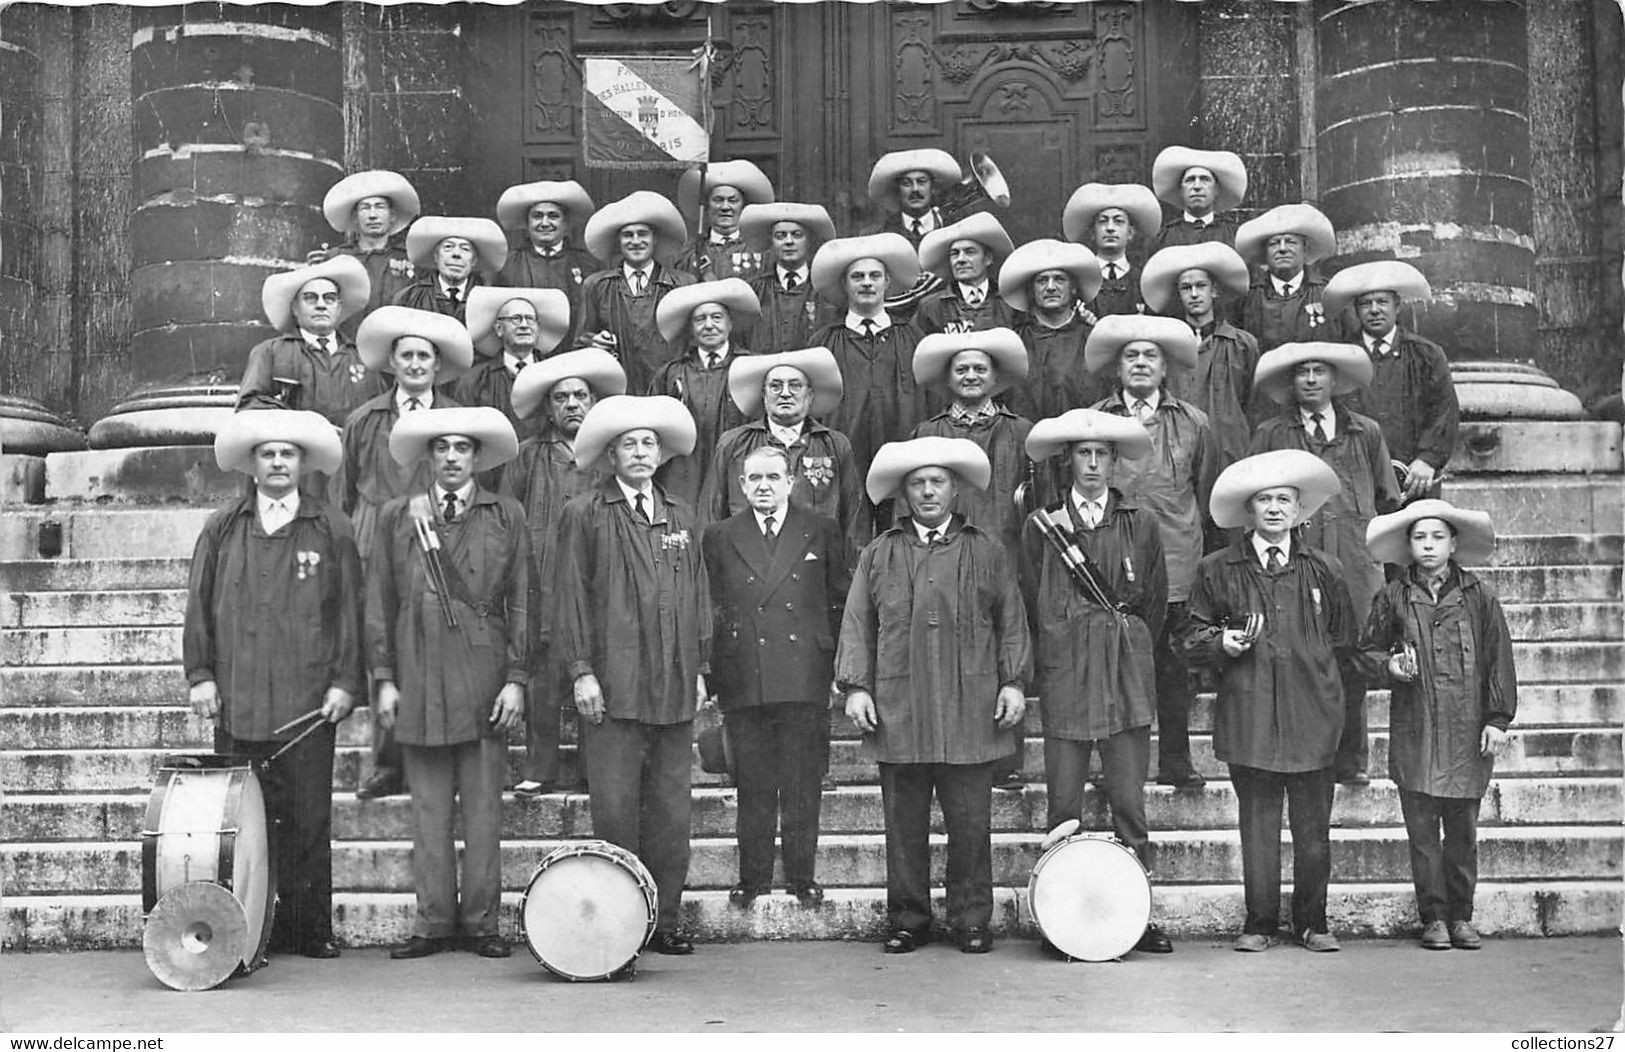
[[770, 533], [638, 281], [321, 344], [932, 538], [1377, 346], [1142, 410], [711, 359], [451, 507], [1319, 432], [1272, 559], [455, 295], [413, 404], [1091, 514], [518, 364], [791, 282], [868, 329], [1435, 586], [276, 516], [643, 513], [1111, 272], [973, 297], [916, 228]]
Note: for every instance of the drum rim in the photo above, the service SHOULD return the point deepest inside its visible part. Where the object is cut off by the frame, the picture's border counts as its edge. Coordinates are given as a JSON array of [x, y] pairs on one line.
[[619, 856], [1055, 849]]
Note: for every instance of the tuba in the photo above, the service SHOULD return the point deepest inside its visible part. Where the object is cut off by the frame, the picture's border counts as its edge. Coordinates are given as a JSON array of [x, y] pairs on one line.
[[981, 190]]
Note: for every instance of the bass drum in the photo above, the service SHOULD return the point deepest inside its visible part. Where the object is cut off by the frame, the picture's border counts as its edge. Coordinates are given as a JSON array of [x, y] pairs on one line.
[[206, 822], [588, 911], [1090, 897]]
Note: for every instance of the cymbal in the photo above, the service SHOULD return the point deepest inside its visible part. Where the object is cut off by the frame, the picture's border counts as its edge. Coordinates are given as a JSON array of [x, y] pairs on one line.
[[194, 937]]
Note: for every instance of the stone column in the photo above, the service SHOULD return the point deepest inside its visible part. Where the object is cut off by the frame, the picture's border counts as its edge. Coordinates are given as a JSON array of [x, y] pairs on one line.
[[1423, 153], [1250, 96], [239, 131]]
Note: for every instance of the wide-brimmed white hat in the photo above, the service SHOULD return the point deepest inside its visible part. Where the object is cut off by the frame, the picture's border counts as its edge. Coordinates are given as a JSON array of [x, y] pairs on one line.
[[343, 270], [409, 440], [1053, 434], [1307, 221], [936, 352], [342, 197], [748, 372], [1273, 374], [603, 233], [1159, 279], [677, 306], [1387, 537], [895, 460], [756, 222], [513, 207], [1383, 275], [751, 182], [1091, 199], [239, 436], [490, 243], [938, 164], [594, 366], [1115, 331], [980, 227], [379, 330], [1032, 259], [833, 258], [1228, 172], [484, 301], [1312, 477], [613, 417]]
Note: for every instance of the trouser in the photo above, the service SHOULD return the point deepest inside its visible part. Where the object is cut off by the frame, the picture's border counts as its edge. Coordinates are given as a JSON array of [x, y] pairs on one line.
[[386, 753], [1353, 746], [465, 778], [965, 794], [1445, 875], [1308, 796], [1125, 756], [776, 751], [639, 779], [544, 728], [1174, 695], [298, 789]]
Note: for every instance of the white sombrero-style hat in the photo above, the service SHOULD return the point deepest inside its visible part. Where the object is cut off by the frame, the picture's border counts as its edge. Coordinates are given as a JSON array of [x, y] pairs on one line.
[[603, 232], [830, 263], [1387, 537], [1091, 199], [751, 182], [1307, 221], [895, 460], [1159, 279], [1273, 374], [490, 243], [677, 306], [1035, 257], [343, 270], [342, 197], [980, 227], [484, 301], [939, 164], [936, 352], [513, 207], [1115, 331], [1312, 477], [613, 417], [756, 222], [238, 437], [1228, 172], [413, 433], [1053, 434], [596, 367], [379, 330], [1383, 275], [748, 372]]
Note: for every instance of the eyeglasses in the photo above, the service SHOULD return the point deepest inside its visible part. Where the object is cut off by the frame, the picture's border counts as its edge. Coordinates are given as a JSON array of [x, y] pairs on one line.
[[517, 319], [792, 386]]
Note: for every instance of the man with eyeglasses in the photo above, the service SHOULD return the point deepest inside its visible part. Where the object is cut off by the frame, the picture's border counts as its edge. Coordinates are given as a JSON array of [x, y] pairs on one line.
[[512, 329]]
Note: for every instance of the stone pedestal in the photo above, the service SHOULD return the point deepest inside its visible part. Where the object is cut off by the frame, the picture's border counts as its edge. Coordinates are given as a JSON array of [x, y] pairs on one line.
[[148, 475]]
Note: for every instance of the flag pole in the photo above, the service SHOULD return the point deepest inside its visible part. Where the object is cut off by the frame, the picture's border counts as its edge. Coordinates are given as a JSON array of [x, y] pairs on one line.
[[710, 121]]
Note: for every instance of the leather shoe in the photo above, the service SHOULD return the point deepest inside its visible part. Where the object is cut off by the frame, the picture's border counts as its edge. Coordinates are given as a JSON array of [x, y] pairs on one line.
[[1319, 941], [671, 943], [1154, 941], [417, 946], [1463, 936], [1435, 936], [1014, 782], [810, 895], [901, 940], [382, 783], [325, 950], [1187, 779], [1252, 942], [1357, 778], [827, 784], [975, 940], [740, 897], [489, 946]]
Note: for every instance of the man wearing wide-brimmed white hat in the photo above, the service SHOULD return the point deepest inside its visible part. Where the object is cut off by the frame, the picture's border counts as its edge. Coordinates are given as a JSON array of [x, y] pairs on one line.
[[908, 184], [371, 209], [1093, 628], [965, 255], [1188, 281], [513, 329], [1117, 221], [632, 628], [545, 214], [639, 239], [704, 321], [1284, 304], [1411, 394], [937, 687], [787, 234], [1172, 484], [1307, 380], [874, 351], [1270, 615], [311, 365], [452, 256], [272, 635], [448, 640], [1200, 185], [1047, 282], [724, 189]]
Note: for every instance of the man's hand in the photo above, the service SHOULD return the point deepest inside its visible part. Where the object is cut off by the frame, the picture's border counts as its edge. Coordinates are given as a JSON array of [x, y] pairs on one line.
[[589, 698], [1420, 479], [205, 699], [1236, 642], [603, 339], [319, 255], [860, 709], [1491, 740], [1401, 669], [1011, 707], [387, 704], [336, 705], [509, 708]]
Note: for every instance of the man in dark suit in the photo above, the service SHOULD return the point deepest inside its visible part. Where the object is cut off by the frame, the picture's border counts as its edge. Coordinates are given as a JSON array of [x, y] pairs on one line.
[[778, 584]]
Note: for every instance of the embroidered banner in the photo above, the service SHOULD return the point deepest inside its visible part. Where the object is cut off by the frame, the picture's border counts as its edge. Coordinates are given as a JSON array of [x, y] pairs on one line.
[[645, 111]]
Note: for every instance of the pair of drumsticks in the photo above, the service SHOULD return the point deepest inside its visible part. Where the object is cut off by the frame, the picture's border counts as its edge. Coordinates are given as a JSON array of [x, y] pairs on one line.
[[313, 717]]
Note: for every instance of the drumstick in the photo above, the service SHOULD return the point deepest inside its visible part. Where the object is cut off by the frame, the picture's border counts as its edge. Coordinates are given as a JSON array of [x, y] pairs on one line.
[[297, 720], [307, 732]]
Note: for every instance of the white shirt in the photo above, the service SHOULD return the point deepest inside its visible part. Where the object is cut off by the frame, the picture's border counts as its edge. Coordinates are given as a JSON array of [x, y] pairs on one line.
[[275, 514], [707, 357], [425, 400], [924, 531], [550, 252], [800, 272], [1206, 220], [510, 362], [1287, 288], [778, 519], [980, 289], [1262, 548], [1387, 343], [464, 494], [924, 224], [1090, 511], [446, 288], [310, 339], [631, 497], [1123, 266], [628, 270], [1328, 421], [787, 436], [719, 238], [854, 321]]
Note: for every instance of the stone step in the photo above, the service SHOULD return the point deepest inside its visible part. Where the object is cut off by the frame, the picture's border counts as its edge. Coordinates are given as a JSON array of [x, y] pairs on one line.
[[83, 575], [1535, 503], [1497, 446], [57, 817], [1544, 584], [99, 609], [1573, 549], [91, 532], [163, 683]]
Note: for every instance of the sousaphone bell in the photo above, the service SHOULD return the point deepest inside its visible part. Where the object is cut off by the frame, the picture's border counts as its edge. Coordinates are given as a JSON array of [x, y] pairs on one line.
[[980, 191]]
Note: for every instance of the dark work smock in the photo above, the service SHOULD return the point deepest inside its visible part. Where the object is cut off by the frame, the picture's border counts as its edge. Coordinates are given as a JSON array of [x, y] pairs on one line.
[[1221, 386], [1413, 399], [1056, 379], [566, 271], [1274, 319], [1180, 231], [1003, 437], [704, 393], [607, 302], [946, 311], [426, 294], [389, 271], [789, 319], [881, 402], [368, 478], [331, 384], [823, 470], [713, 262]]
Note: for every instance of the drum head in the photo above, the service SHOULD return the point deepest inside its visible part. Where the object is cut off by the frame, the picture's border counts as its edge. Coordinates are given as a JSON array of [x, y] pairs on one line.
[[195, 937], [1090, 897], [251, 869], [588, 913]]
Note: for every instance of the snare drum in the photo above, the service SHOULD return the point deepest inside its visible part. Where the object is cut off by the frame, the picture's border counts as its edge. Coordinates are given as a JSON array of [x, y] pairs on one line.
[[206, 822], [588, 911], [1090, 897]]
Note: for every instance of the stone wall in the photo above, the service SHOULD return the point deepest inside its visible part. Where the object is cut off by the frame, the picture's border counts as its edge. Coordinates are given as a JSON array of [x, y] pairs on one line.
[[23, 371], [1250, 95], [418, 117]]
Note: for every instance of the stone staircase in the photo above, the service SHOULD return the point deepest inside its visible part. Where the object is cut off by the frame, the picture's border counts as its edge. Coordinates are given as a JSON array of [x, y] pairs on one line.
[[92, 698]]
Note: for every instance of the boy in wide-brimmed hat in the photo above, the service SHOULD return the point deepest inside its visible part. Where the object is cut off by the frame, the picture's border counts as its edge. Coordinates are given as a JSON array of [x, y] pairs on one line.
[[787, 234], [1117, 221], [1284, 304], [452, 256], [371, 209], [966, 256], [1200, 185], [724, 189]]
